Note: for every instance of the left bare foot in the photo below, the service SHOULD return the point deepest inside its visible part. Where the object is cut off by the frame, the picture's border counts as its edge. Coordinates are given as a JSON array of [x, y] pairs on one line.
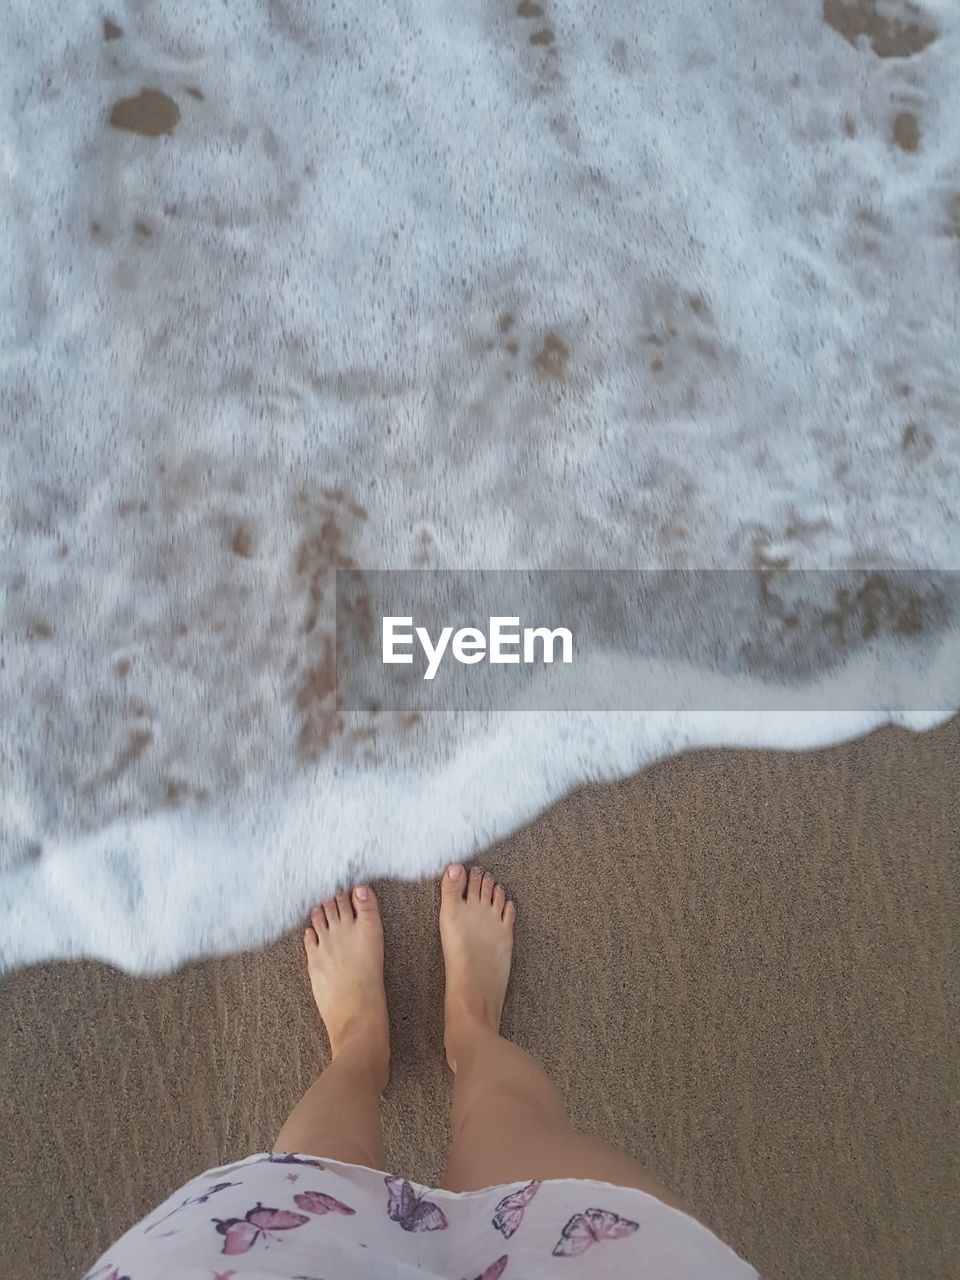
[[345, 962]]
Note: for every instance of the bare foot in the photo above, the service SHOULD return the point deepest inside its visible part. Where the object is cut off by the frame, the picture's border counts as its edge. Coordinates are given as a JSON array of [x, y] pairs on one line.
[[476, 930], [345, 963]]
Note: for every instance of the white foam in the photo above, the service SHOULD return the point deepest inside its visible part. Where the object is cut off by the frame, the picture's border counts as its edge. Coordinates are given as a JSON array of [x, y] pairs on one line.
[[328, 241]]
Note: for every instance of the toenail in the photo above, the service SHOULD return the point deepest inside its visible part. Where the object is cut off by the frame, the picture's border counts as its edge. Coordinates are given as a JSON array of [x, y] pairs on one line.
[[455, 872], [363, 893]]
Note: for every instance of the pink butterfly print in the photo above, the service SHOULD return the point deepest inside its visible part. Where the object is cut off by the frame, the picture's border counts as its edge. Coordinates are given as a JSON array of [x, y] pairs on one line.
[[243, 1233], [222, 1275], [589, 1227], [509, 1212], [413, 1212], [495, 1269], [287, 1157], [318, 1202], [200, 1199]]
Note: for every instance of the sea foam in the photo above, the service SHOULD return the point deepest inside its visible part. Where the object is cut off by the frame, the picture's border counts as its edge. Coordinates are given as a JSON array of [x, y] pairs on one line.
[[292, 287]]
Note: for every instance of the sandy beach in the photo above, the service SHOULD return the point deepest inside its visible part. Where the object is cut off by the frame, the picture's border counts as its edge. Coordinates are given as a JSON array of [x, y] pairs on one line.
[[740, 966], [292, 291]]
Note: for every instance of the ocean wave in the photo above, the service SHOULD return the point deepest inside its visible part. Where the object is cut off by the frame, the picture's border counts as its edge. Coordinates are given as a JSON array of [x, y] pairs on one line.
[[287, 290]]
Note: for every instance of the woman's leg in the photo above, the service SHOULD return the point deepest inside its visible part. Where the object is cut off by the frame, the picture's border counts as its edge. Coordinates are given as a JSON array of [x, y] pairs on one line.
[[339, 1115], [508, 1121]]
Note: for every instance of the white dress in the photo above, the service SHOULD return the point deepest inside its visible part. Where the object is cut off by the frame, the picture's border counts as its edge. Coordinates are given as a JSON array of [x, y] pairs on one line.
[[282, 1216]]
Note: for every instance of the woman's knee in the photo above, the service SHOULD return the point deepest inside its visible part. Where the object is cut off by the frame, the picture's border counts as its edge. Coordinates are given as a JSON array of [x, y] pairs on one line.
[[503, 1106]]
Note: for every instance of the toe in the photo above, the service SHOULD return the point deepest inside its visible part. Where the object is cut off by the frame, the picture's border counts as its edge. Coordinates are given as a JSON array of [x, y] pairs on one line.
[[473, 887], [319, 920], [344, 907], [499, 899], [365, 903], [509, 913], [453, 883], [310, 941], [487, 887], [332, 912]]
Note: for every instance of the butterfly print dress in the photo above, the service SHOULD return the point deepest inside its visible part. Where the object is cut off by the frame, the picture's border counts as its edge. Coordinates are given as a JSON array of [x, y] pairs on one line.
[[286, 1216]]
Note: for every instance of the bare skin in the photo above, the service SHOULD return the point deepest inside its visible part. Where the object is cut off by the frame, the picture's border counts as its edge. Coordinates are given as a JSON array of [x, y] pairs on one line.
[[339, 1116], [476, 933], [533, 1136]]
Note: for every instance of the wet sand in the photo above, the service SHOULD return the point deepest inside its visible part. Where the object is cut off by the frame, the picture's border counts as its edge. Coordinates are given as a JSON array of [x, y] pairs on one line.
[[740, 966]]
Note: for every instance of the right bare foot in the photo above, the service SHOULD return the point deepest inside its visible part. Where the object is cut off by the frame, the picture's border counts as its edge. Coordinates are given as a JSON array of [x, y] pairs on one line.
[[476, 931], [345, 964]]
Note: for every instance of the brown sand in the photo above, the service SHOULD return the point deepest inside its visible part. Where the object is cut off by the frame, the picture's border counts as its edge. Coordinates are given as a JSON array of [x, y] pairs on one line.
[[740, 966], [150, 113]]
